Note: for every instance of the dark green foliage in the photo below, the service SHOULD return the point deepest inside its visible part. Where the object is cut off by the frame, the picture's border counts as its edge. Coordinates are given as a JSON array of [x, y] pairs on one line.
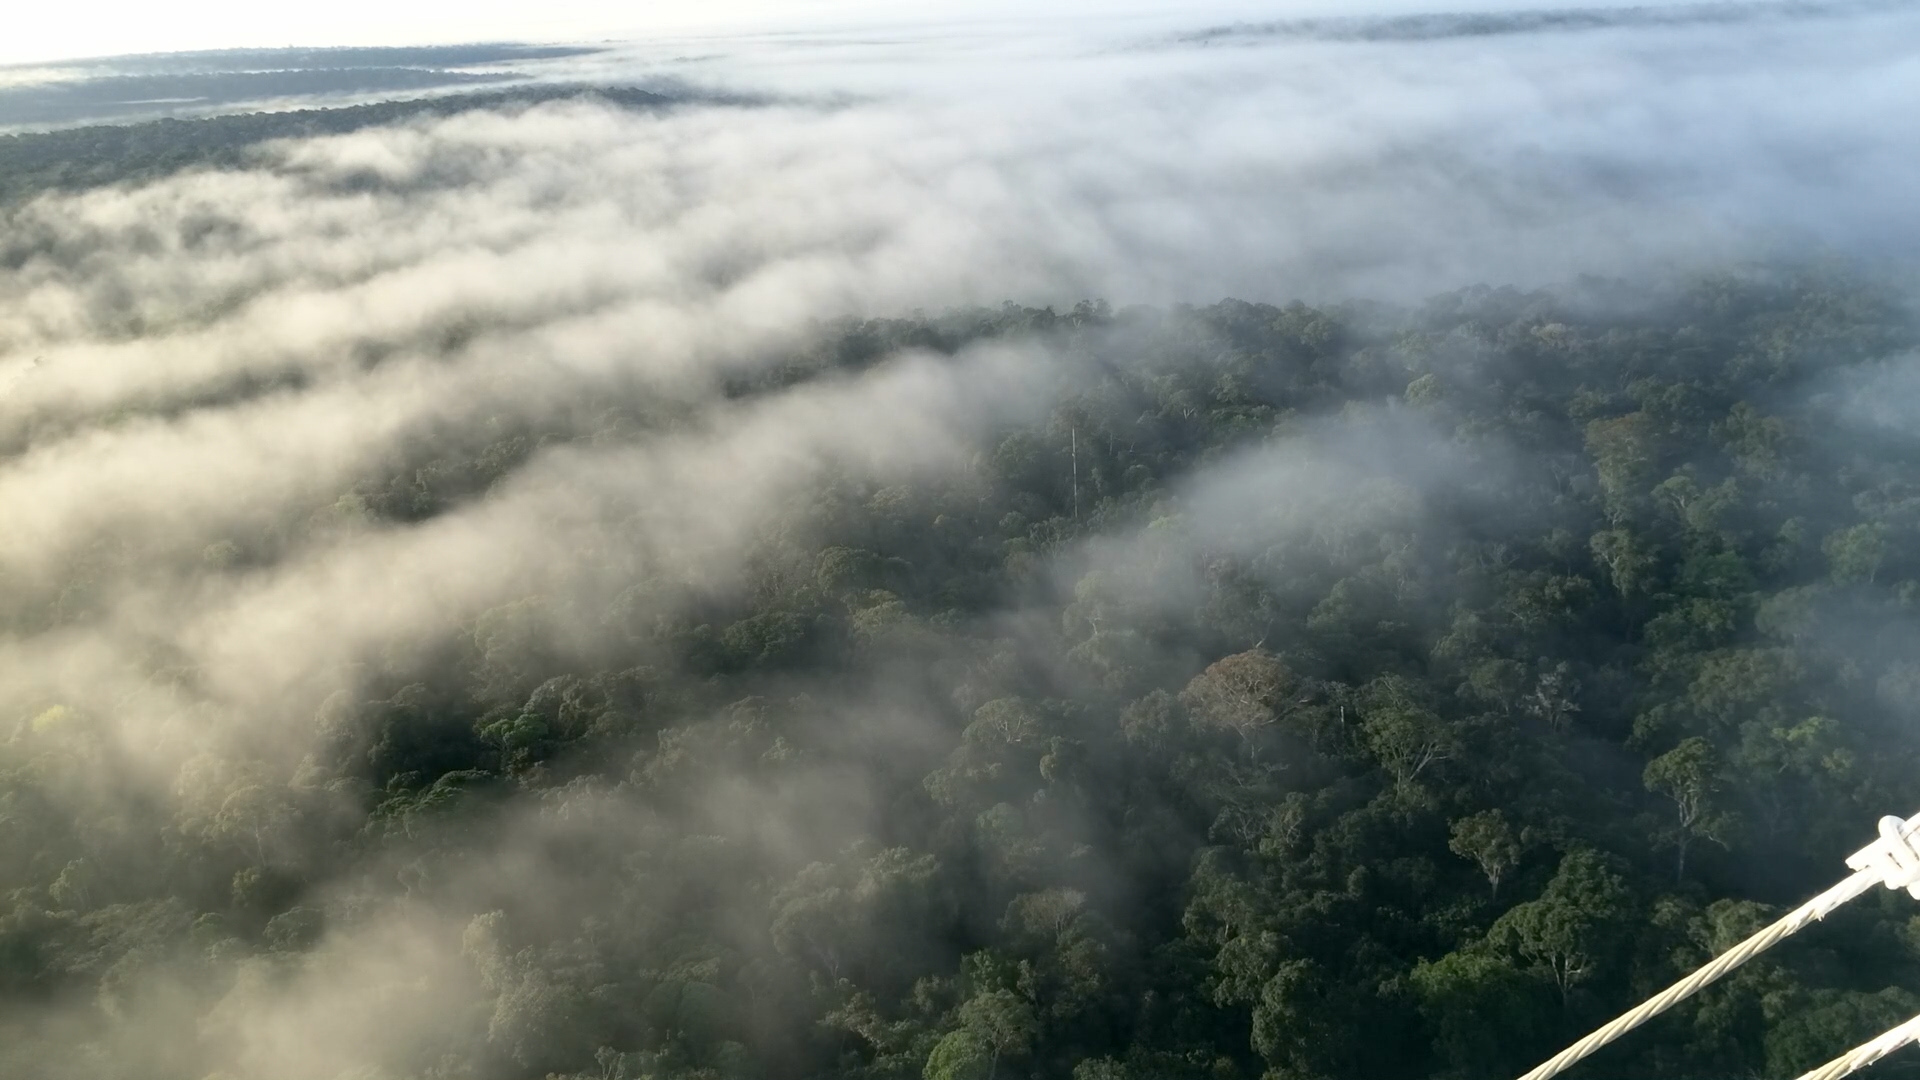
[[1578, 642]]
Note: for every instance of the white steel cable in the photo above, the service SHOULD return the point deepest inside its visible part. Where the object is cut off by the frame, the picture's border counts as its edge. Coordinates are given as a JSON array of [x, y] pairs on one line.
[[1817, 908], [1891, 861], [1867, 1053]]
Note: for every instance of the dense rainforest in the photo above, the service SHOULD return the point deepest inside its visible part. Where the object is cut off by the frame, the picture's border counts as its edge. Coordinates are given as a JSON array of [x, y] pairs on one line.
[[1302, 693]]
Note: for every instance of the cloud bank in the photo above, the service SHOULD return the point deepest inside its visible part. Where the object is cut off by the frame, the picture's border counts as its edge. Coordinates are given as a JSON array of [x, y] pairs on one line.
[[219, 385]]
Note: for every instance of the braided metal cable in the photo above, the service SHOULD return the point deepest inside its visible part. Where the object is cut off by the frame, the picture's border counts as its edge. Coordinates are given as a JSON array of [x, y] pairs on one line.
[[1817, 908], [1867, 1053]]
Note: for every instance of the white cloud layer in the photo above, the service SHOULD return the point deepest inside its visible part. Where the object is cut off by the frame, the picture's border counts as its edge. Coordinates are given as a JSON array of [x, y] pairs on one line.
[[220, 356]]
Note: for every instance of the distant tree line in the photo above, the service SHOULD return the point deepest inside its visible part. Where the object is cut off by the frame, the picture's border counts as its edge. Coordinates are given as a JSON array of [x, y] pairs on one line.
[[80, 159]]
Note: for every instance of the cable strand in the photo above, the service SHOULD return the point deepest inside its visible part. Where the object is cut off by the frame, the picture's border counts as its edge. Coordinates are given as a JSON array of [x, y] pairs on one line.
[[1867, 1053], [1815, 909]]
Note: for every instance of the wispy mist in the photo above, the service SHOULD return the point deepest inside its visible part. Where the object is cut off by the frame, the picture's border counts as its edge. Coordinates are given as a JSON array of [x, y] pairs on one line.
[[298, 441]]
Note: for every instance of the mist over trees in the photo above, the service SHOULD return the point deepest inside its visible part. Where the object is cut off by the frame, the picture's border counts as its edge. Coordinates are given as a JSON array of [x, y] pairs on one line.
[[942, 782], [124, 88], [554, 586], [101, 155]]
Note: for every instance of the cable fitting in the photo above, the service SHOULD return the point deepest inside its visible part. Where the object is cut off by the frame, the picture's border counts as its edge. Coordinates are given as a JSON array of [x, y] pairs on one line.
[[1895, 857]]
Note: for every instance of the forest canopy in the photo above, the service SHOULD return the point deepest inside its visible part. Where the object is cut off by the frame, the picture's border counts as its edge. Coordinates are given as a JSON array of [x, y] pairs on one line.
[[1294, 692], [969, 554]]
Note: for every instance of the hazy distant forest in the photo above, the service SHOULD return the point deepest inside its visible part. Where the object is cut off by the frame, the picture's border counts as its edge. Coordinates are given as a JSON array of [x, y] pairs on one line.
[[1295, 692]]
